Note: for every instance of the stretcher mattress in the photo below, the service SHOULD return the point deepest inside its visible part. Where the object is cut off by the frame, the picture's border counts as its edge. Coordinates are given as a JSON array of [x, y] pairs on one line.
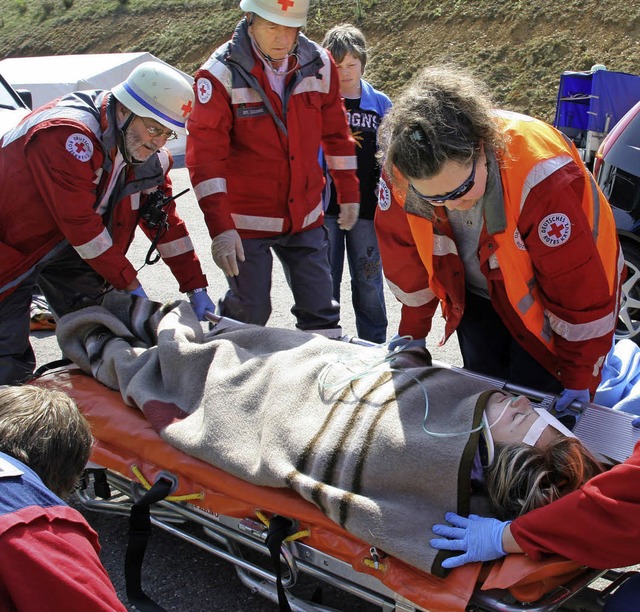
[[127, 444]]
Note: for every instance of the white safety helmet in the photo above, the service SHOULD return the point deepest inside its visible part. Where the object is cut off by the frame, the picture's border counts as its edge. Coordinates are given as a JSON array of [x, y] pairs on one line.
[[159, 92], [290, 13]]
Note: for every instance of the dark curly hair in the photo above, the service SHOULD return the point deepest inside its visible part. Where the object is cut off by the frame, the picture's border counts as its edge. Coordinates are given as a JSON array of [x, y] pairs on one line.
[[442, 116]]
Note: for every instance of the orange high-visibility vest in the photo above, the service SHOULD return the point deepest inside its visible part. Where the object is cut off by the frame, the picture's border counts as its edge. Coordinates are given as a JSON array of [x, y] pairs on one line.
[[534, 151]]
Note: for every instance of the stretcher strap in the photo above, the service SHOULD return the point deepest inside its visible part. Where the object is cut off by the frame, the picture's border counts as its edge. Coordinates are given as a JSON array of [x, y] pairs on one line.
[[173, 498], [303, 533], [279, 528], [139, 532], [51, 365]]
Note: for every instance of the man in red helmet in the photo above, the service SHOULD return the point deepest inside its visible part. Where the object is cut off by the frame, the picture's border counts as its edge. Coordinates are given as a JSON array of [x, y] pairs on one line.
[[265, 102], [77, 176]]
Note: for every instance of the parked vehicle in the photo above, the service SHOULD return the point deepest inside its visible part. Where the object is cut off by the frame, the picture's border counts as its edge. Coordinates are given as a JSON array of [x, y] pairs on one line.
[[617, 170], [12, 106], [591, 103]]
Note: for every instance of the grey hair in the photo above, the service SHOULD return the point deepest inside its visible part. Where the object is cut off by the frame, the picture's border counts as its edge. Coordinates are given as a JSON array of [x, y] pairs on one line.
[[343, 39], [442, 116], [522, 477], [44, 429]]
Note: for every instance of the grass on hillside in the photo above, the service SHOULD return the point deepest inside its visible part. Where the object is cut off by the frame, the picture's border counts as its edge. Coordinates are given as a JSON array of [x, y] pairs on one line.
[[520, 47]]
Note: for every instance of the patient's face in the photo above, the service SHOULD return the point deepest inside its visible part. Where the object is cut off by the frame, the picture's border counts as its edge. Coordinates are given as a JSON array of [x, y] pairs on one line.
[[515, 421]]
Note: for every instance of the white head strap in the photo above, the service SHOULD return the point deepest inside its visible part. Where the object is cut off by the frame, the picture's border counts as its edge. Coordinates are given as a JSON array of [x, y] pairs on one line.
[[539, 425]]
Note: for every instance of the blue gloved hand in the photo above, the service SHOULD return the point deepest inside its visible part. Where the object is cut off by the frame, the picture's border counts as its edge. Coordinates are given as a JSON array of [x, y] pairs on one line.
[[140, 292], [479, 538], [201, 302], [636, 422], [566, 397], [405, 342], [405, 353]]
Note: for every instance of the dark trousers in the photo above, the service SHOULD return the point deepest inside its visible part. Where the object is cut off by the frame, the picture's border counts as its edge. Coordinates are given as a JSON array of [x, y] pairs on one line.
[[488, 347], [305, 261], [67, 282]]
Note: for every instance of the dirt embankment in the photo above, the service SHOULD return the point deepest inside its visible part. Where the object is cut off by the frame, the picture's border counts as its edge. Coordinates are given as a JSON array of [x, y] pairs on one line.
[[519, 48]]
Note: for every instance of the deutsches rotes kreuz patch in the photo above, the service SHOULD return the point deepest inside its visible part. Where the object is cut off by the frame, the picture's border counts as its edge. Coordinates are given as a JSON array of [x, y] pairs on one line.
[[517, 238], [204, 90], [384, 195], [80, 146], [554, 229]]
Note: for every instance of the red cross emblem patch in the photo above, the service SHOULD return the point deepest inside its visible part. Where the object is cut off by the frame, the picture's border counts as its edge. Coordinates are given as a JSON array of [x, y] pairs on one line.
[[204, 89], [554, 229], [80, 146], [384, 195]]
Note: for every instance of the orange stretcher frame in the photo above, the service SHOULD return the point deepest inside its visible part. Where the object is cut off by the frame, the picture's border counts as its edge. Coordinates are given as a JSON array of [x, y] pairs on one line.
[[126, 445]]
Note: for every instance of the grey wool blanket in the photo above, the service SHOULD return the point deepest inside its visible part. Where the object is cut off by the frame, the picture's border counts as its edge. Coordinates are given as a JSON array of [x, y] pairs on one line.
[[283, 408]]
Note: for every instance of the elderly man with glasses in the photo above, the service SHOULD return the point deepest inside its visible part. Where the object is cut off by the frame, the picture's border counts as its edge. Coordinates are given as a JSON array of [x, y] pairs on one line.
[[78, 175]]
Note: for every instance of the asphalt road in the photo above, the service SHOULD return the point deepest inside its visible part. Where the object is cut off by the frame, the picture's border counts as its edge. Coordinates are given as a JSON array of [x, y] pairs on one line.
[[178, 575]]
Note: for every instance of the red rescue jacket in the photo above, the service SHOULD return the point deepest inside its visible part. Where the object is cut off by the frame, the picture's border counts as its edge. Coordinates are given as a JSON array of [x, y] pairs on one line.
[[253, 157], [550, 254], [59, 184]]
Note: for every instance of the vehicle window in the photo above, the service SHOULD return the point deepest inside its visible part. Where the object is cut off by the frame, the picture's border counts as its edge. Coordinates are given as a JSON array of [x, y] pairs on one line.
[[623, 189], [7, 100]]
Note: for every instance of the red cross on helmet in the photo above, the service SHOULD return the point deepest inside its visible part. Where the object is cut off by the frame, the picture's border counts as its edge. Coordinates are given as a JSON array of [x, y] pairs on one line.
[[290, 13], [159, 92]]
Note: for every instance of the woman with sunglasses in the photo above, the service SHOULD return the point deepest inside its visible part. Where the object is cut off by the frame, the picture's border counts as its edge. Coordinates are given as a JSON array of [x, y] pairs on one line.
[[493, 216]]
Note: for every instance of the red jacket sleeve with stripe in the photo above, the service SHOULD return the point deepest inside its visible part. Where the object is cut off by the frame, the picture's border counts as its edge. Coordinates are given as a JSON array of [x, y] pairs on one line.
[[403, 269]]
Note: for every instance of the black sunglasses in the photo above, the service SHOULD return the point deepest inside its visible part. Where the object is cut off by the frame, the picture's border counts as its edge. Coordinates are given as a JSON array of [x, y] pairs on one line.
[[465, 188]]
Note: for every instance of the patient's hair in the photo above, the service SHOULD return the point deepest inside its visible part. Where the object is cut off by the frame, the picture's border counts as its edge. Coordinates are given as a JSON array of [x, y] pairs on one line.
[[522, 477], [44, 429]]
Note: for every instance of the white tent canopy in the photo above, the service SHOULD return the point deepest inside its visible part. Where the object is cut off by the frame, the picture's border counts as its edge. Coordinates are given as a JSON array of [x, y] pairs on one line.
[[49, 77]]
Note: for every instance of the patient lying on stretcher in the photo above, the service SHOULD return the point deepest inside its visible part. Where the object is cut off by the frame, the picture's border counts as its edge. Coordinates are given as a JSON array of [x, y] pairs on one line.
[[377, 450], [527, 457]]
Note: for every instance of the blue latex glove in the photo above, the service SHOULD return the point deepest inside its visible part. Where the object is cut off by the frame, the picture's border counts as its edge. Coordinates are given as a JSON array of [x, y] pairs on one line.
[[201, 302], [636, 422], [404, 342], [140, 292], [566, 397], [479, 538]]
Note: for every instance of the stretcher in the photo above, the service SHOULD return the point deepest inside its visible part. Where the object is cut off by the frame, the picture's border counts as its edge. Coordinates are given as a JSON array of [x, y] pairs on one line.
[[239, 520]]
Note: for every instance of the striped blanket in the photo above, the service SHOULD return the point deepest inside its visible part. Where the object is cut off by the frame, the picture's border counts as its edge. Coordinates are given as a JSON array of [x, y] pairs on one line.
[[283, 408]]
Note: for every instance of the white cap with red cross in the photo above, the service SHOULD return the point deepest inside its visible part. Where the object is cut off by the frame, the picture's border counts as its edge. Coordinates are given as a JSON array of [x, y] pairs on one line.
[[290, 13], [159, 92]]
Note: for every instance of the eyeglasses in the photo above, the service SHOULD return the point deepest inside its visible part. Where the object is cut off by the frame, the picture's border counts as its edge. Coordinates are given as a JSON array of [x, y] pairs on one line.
[[155, 131], [465, 188]]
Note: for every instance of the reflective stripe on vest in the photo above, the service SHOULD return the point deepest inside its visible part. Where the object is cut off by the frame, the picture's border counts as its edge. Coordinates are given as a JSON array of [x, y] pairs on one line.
[[259, 224], [413, 299], [55, 112], [209, 187], [344, 162]]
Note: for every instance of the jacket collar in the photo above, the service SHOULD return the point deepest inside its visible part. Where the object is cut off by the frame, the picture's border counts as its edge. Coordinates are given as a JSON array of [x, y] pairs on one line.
[[239, 51], [494, 212]]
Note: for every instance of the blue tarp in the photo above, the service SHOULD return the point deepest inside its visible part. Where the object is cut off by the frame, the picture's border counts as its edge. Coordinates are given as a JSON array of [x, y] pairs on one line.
[[587, 99]]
